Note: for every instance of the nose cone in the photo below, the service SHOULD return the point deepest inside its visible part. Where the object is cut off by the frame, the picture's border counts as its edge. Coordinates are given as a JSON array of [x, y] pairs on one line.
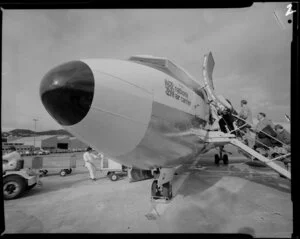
[[67, 92]]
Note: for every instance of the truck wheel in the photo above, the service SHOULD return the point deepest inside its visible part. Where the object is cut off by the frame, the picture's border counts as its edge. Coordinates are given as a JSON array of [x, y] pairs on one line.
[[113, 177], [63, 173], [13, 187]]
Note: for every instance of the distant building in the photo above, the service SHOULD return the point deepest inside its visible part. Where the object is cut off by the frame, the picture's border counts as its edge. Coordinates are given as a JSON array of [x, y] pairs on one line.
[[46, 142], [76, 143], [20, 147]]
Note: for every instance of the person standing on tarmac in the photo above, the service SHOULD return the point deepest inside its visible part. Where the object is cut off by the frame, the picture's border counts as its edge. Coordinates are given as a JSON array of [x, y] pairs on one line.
[[88, 158]]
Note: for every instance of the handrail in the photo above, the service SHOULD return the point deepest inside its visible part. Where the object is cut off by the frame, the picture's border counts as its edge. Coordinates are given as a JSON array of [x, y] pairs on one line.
[[259, 130]]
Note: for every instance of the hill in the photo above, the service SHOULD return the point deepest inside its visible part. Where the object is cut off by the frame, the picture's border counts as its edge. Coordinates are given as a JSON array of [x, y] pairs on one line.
[[28, 133]]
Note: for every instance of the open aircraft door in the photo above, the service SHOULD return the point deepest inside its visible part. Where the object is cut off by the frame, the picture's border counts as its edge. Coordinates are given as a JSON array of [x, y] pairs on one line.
[[208, 66]]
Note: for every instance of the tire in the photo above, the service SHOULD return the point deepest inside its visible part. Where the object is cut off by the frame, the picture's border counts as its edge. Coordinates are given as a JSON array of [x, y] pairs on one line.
[[113, 177], [217, 159], [13, 187], [63, 173], [68, 171], [154, 190], [225, 159]]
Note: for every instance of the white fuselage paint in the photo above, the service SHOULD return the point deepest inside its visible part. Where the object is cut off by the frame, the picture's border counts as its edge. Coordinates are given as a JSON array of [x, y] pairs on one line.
[[134, 108]]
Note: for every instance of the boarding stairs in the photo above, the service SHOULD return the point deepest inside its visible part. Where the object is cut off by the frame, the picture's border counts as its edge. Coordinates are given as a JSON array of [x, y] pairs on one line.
[[219, 138]]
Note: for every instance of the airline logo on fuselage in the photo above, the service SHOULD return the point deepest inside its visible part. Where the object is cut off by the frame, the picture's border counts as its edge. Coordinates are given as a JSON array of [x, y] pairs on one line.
[[177, 92]]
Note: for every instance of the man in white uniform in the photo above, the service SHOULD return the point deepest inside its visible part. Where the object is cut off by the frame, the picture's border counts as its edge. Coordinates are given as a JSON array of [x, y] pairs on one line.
[[88, 158]]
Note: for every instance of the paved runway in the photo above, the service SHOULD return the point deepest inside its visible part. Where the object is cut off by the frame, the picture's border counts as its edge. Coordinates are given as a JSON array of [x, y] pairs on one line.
[[209, 199]]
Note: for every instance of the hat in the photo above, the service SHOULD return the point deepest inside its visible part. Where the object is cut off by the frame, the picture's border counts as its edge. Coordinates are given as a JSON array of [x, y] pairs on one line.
[[89, 149], [244, 102]]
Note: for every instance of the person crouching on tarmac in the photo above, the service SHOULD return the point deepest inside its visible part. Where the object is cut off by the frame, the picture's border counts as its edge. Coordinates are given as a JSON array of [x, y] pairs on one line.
[[88, 158]]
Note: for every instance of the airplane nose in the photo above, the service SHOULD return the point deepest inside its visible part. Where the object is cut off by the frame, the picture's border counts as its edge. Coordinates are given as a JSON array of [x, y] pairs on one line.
[[67, 92]]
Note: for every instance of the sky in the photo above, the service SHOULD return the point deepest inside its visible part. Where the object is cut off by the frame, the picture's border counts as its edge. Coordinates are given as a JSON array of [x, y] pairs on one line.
[[250, 49]]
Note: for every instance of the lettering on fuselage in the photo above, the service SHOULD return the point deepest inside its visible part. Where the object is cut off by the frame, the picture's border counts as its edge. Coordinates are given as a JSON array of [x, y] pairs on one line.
[[176, 92]]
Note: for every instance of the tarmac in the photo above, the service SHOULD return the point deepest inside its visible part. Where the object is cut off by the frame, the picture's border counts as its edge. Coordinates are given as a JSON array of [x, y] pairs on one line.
[[207, 199]]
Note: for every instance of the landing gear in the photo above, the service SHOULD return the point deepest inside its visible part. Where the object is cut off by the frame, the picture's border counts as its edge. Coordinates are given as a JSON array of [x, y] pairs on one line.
[[161, 187], [217, 159], [225, 159], [220, 156]]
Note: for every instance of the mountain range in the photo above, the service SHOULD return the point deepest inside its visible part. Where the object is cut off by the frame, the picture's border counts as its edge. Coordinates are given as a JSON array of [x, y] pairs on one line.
[[28, 133]]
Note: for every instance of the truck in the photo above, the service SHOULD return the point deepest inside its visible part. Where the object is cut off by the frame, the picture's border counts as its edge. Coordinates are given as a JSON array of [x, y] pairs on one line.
[[17, 179]]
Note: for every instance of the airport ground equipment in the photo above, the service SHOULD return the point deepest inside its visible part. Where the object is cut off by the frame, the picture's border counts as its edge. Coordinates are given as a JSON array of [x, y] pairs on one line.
[[65, 167], [114, 170], [17, 180]]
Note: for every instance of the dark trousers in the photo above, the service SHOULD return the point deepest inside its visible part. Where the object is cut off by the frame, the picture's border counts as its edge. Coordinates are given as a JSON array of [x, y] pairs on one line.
[[226, 120]]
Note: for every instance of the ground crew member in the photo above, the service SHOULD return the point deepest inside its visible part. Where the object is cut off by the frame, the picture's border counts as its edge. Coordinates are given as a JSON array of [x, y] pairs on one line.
[[11, 159], [88, 158]]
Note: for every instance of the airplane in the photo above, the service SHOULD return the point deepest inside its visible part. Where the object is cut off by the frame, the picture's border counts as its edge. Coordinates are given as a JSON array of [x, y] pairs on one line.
[[142, 113]]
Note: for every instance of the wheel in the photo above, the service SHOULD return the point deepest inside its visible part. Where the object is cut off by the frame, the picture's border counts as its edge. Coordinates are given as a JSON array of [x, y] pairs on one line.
[[154, 190], [167, 190], [217, 159], [13, 187], [225, 159], [44, 172], [63, 172], [68, 171], [113, 177]]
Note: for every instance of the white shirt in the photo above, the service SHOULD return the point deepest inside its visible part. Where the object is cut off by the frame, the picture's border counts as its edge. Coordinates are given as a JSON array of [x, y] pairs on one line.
[[89, 157]]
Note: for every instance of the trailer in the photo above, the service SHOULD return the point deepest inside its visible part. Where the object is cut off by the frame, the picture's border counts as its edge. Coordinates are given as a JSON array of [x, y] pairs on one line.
[[65, 167], [114, 170]]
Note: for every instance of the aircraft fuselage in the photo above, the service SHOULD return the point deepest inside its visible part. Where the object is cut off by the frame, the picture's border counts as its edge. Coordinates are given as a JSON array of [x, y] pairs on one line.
[[133, 113]]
